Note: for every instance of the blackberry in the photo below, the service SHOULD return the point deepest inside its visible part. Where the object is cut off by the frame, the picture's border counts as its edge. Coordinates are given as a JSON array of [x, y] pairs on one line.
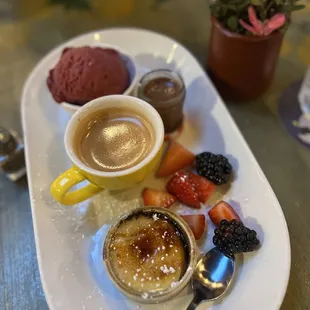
[[233, 237], [215, 168]]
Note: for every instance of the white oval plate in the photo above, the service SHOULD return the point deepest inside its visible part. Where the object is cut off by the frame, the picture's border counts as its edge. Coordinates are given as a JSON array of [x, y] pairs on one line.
[[69, 239]]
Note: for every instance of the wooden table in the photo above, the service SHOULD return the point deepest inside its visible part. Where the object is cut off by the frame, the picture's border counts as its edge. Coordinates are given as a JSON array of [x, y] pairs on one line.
[[30, 30]]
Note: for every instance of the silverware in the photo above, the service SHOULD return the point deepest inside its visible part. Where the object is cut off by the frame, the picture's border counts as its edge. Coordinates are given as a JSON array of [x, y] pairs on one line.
[[212, 276]]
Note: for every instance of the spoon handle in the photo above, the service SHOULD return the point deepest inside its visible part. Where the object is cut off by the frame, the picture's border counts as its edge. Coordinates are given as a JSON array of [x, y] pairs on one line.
[[193, 305]]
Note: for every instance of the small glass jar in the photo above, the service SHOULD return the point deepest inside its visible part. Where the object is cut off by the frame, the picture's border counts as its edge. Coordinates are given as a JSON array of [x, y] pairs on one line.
[[165, 91]]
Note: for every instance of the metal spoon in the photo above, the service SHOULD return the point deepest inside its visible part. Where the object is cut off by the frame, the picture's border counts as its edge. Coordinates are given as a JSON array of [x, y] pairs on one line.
[[212, 276]]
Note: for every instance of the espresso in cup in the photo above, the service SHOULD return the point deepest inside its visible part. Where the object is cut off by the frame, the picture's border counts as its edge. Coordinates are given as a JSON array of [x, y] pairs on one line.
[[115, 139], [114, 142]]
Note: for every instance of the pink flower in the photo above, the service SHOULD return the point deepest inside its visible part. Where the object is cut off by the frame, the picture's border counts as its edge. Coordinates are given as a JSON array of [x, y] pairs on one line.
[[259, 28], [275, 22]]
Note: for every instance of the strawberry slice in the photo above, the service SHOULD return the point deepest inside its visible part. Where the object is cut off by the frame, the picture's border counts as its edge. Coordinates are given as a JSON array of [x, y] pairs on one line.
[[222, 211], [157, 198], [176, 158], [196, 222], [203, 187], [180, 186]]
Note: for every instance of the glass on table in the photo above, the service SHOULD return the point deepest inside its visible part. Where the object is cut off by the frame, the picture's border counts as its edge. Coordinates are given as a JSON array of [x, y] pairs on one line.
[[304, 95]]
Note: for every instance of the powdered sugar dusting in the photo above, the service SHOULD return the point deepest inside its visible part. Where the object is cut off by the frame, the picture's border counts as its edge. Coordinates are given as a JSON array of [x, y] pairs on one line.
[[174, 284], [145, 295], [155, 217]]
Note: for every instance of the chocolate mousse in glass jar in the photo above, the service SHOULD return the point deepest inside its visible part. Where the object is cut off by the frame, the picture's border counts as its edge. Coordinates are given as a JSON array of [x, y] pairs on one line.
[[165, 91]]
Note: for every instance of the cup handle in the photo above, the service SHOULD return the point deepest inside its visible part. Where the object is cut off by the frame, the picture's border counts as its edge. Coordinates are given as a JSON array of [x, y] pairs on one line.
[[61, 186]]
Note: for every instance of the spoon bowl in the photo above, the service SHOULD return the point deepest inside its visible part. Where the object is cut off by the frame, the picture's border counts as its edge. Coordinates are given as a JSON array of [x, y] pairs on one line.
[[212, 276]]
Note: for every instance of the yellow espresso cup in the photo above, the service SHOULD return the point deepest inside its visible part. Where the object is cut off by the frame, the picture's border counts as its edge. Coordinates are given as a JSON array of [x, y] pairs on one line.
[[99, 180]]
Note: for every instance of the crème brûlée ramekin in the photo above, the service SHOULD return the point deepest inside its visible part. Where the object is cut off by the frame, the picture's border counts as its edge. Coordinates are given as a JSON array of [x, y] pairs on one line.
[[150, 254]]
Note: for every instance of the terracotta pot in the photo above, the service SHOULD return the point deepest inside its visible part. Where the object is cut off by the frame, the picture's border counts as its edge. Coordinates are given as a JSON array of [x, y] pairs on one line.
[[242, 67]]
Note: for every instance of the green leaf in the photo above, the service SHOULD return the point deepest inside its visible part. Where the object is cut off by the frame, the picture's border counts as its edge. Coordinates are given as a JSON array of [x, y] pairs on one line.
[[278, 2], [243, 6], [230, 7], [232, 23], [298, 7], [257, 2], [284, 28]]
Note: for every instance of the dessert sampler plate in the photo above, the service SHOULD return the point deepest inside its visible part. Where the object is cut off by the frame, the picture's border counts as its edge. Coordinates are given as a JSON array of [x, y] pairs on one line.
[[69, 240]]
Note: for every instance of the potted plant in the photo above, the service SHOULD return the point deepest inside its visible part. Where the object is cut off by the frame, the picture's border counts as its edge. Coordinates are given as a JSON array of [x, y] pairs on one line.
[[246, 38]]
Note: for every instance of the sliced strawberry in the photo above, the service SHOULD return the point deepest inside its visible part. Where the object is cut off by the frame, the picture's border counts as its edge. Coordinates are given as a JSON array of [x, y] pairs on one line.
[[157, 198], [176, 158], [180, 186], [222, 211], [196, 222], [203, 187]]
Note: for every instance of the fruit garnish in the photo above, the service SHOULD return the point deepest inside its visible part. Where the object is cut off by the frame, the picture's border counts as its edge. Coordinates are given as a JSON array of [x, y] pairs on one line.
[[233, 237], [157, 198], [177, 157], [215, 168], [222, 211], [202, 187], [196, 222], [181, 187]]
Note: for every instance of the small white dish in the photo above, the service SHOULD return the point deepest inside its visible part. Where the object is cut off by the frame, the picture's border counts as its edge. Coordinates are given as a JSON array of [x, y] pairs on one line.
[[130, 65], [69, 240]]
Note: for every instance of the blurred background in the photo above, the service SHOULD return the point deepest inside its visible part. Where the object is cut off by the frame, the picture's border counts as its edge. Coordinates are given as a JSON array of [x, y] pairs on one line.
[[30, 29]]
